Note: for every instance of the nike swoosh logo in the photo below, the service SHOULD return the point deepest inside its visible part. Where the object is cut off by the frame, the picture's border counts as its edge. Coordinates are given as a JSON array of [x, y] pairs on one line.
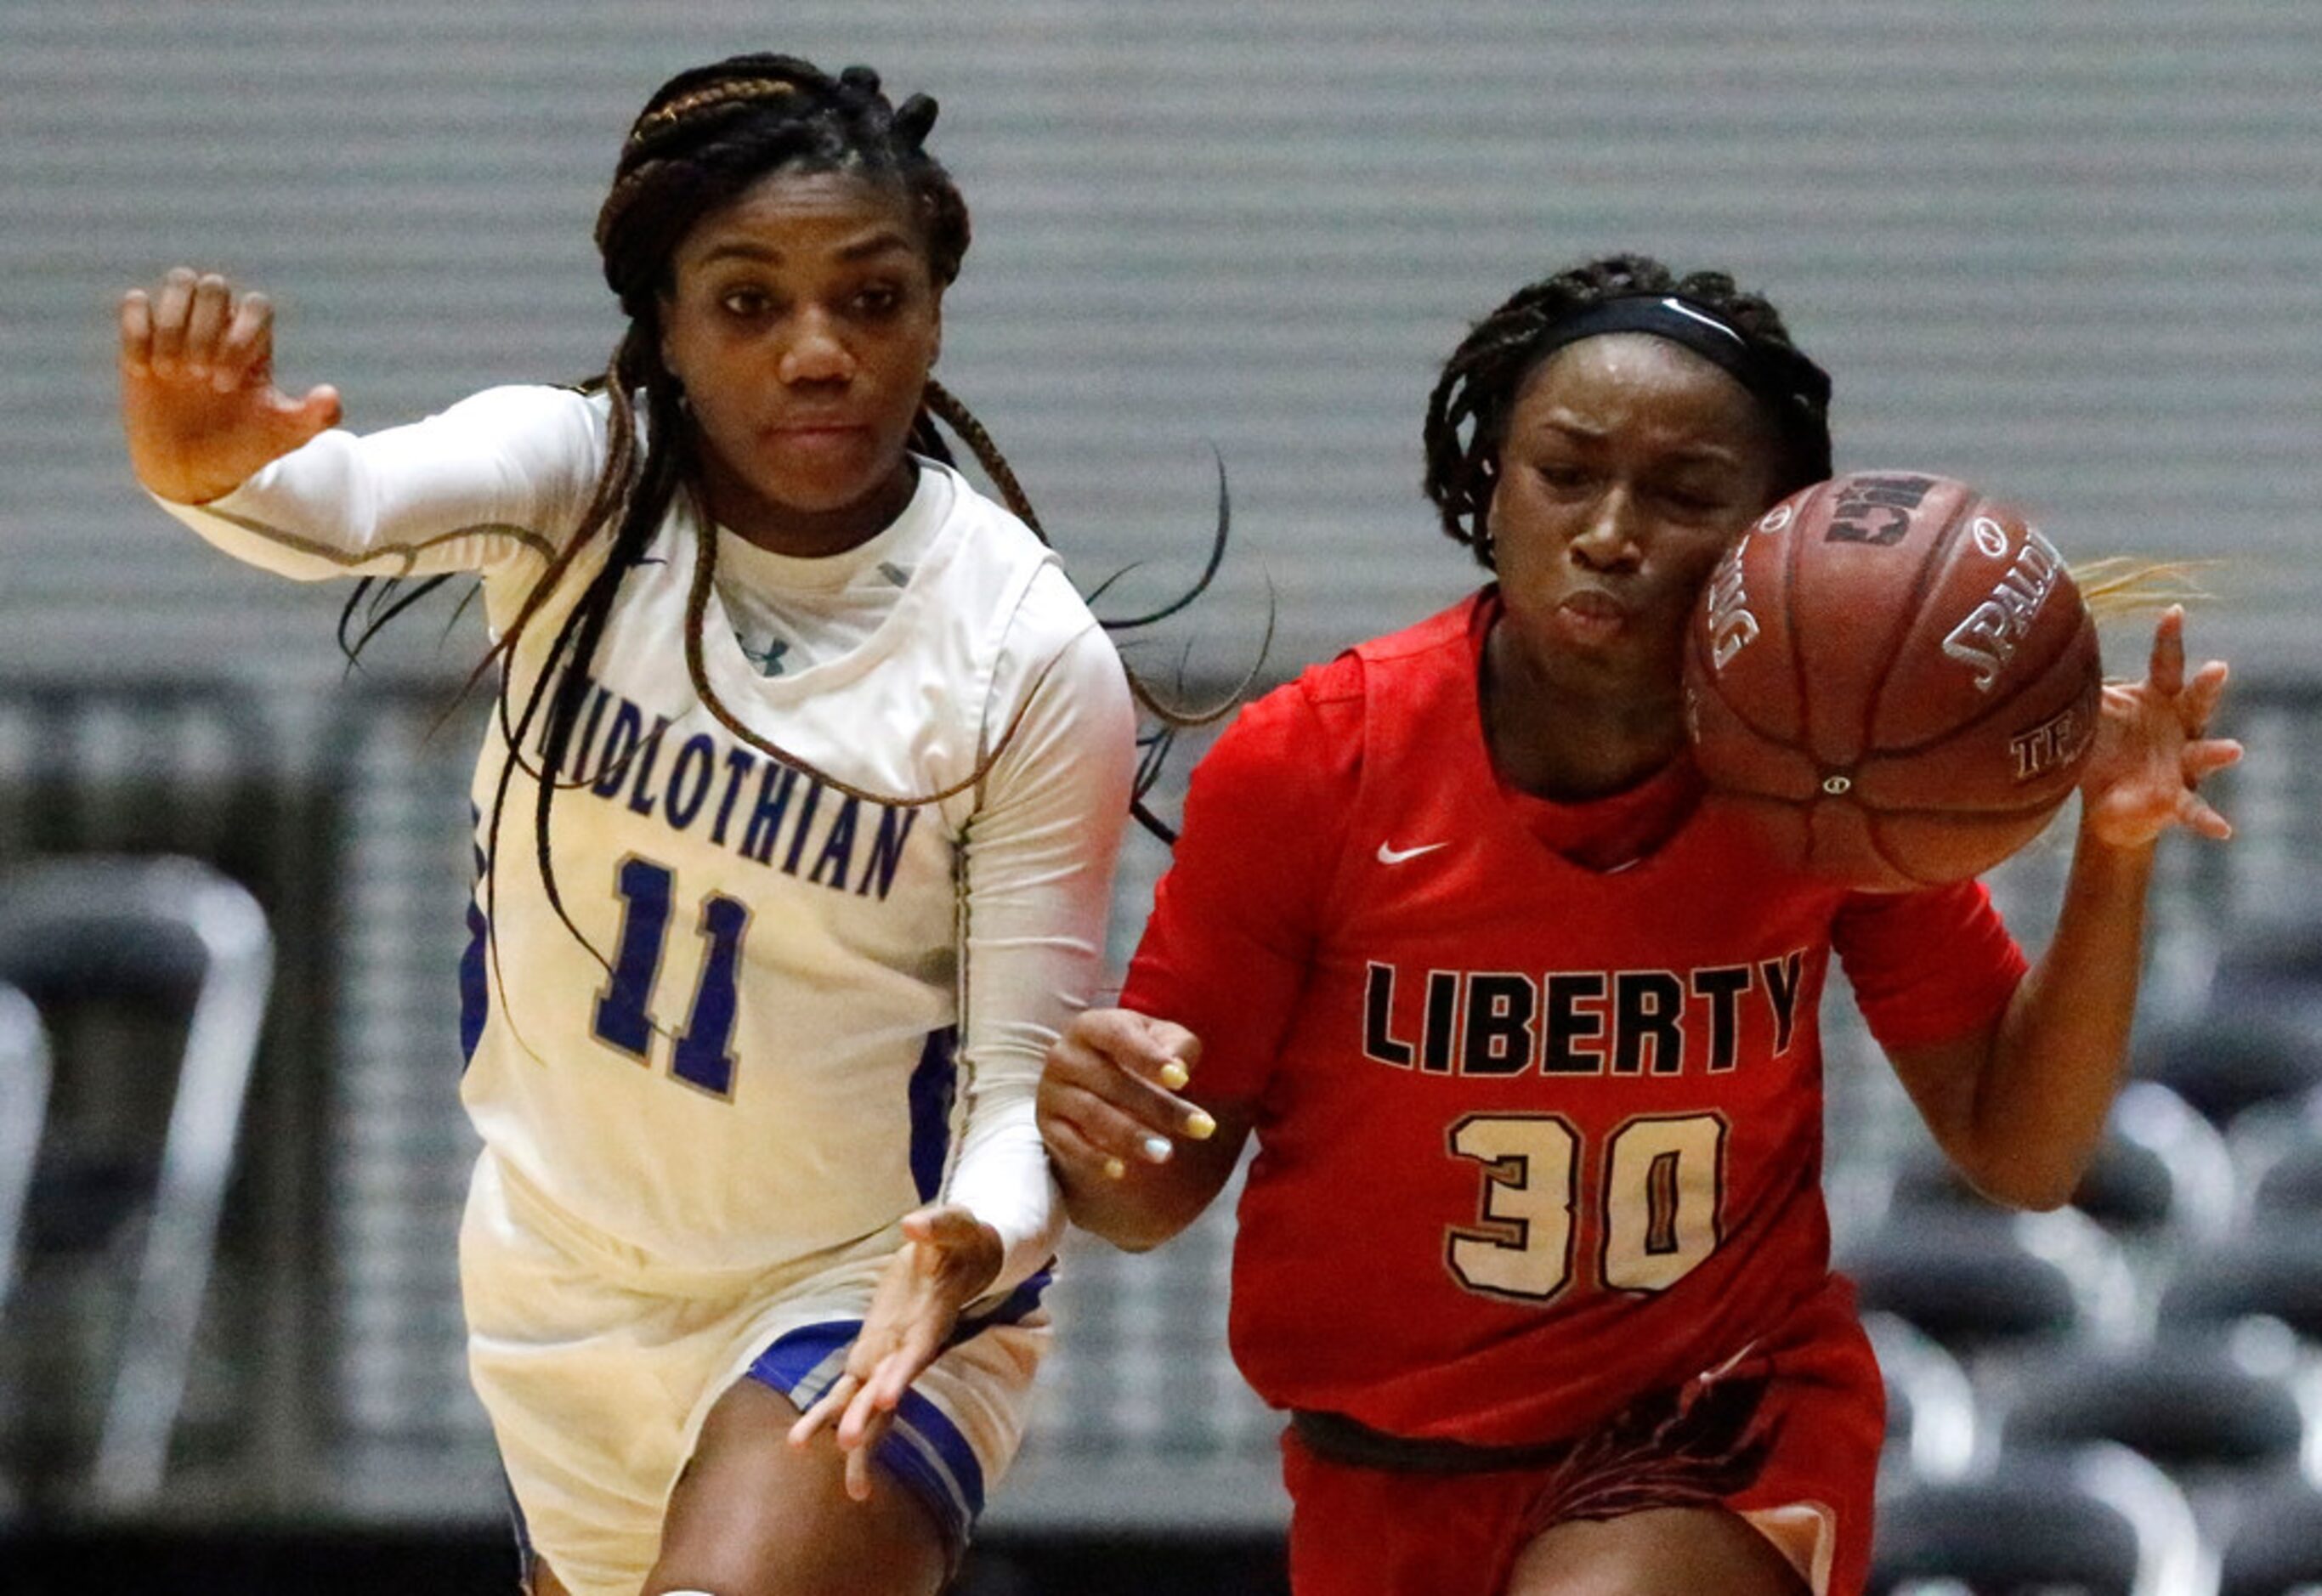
[[1387, 855]]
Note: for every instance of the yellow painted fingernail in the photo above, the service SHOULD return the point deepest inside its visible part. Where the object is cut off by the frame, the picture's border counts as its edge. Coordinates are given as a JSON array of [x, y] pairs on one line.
[[1114, 1169], [1199, 1125], [1173, 1075]]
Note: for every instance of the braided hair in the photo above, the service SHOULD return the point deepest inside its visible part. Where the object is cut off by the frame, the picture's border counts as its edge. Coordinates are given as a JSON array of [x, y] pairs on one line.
[[1467, 413], [705, 138]]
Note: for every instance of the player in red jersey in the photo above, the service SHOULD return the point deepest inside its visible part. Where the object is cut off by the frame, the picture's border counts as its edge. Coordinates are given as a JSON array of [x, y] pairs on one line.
[[1533, 1248]]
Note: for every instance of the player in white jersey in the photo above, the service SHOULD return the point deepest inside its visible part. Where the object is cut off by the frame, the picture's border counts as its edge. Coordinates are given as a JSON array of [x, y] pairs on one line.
[[795, 838]]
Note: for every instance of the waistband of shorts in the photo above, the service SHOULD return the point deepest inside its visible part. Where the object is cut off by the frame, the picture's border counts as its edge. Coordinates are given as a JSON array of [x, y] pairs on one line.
[[1337, 1438], [634, 1267]]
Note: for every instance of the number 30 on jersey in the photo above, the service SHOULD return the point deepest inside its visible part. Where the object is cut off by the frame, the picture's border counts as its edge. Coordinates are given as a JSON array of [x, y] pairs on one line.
[[1662, 1177]]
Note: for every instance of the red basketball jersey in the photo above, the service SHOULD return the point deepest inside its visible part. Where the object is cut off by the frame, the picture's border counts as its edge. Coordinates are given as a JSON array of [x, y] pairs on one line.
[[1533, 1138]]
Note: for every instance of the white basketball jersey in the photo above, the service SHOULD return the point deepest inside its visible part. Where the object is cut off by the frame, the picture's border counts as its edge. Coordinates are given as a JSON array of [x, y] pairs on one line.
[[753, 1057]]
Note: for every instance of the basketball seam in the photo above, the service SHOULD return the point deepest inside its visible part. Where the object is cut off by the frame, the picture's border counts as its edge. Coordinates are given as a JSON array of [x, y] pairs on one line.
[[1706, 661], [1953, 811], [1996, 705], [1879, 846], [1790, 558], [1935, 563], [1876, 831]]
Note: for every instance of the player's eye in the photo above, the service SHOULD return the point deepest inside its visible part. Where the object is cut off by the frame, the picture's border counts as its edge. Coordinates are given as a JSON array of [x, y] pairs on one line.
[[878, 299], [745, 302]]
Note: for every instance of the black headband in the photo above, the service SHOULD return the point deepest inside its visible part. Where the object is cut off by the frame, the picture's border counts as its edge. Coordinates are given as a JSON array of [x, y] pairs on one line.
[[1782, 378]]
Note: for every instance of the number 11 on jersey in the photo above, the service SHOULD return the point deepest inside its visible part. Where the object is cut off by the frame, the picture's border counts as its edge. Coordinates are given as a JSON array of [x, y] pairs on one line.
[[701, 1053]]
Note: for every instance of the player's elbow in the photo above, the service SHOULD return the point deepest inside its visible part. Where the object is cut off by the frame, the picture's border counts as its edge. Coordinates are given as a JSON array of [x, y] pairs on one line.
[[1131, 1227], [2038, 1183], [1138, 1233]]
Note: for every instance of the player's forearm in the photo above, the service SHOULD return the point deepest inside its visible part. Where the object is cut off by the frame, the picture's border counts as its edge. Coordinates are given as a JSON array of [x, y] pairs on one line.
[[2042, 1100], [499, 477], [1003, 1179]]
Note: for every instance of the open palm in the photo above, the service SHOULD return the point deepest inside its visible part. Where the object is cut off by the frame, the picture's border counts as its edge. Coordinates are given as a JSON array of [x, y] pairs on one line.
[[2154, 749]]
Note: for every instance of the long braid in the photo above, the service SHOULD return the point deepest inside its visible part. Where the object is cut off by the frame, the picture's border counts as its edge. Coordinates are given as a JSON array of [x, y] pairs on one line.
[[706, 137], [941, 402], [1467, 413]]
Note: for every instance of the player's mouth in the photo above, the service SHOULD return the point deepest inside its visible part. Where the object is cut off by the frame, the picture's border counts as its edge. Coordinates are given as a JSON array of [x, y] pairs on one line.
[[1591, 616], [817, 435]]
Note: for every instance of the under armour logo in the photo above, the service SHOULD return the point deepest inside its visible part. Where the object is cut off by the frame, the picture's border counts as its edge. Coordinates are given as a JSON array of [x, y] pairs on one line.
[[768, 659]]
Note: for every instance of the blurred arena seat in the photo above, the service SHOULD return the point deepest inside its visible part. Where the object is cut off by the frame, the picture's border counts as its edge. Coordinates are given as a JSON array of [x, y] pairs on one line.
[[2276, 1548], [104, 947], [2290, 1186], [2277, 1151], [2101, 1521], [1983, 1282], [24, 1108], [2274, 970], [2226, 1061], [2160, 1167], [2275, 1272], [2198, 1409], [1931, 1407]]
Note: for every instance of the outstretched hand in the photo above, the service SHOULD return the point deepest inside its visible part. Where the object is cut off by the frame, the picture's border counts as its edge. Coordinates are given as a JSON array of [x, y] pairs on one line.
[[947, 1259], [2154, 749], [197, 396]]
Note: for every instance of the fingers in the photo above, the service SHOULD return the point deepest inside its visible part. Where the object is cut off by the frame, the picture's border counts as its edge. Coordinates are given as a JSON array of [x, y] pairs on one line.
[[2206, 758], [828, 1408], [873, 1406], [1114, 1073], [858, 1465], [136, 320], [245, 347], [206, 318], [1106, 1100], [2166, 670], [2199, 701], [197, 330], [2200, 761], [318, 411], [1098, 1135], [1071, 1147], [949, 1226], [2194, 813], [172, 312], [1149, 1048], [861, 1425]]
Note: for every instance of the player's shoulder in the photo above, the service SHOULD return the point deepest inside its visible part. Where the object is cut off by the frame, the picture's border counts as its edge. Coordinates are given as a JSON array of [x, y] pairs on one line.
[[1446, 633], [998, 549], [1442, 639], [536, 404], [971, 510]]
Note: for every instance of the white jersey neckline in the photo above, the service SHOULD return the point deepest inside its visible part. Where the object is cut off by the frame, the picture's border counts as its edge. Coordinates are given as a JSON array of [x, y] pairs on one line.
[[736, 678]]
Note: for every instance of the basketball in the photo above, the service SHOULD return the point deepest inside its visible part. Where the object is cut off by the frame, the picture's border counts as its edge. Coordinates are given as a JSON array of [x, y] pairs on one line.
[[1897, 675]]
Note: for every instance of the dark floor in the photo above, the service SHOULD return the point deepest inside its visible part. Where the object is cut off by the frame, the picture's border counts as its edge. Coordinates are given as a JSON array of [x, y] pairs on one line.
[[294, 1562]]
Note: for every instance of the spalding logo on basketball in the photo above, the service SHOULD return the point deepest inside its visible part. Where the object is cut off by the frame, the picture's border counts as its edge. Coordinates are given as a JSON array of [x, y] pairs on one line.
[[1897, 675]]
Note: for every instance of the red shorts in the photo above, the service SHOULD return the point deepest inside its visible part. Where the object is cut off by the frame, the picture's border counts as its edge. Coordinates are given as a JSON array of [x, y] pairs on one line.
[[1363, 1531]]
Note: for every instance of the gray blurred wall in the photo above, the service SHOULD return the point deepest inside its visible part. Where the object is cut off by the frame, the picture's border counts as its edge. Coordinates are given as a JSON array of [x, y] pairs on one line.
[[2071, 250]]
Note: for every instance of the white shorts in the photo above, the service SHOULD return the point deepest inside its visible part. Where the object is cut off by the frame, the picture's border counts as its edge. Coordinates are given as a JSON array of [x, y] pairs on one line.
[[597, 1368]]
